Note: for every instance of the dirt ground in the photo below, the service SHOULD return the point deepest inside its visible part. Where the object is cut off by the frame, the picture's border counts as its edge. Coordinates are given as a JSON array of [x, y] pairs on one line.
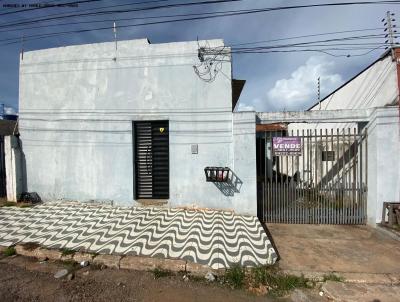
[[25, 279]]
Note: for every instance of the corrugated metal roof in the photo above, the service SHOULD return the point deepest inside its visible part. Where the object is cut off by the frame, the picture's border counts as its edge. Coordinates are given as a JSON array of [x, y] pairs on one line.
[[271, 127]]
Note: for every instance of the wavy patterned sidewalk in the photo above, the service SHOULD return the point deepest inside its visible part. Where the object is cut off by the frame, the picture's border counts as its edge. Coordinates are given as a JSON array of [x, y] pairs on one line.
[[213, 238]]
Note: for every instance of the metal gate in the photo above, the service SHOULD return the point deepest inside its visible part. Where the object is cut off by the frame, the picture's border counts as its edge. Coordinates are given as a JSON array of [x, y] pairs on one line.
[[324, 181]]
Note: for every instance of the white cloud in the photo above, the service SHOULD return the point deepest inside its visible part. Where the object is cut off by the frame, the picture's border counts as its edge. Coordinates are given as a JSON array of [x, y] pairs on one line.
[[300, 89], [9, 111], [245, 107]]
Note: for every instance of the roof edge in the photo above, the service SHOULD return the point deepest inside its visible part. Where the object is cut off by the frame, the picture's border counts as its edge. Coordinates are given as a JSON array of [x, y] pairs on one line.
[[383, 56]]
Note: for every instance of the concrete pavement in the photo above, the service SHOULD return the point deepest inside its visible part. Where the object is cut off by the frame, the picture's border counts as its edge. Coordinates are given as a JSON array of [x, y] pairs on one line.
[[350, 292], [367, 259], [336, 248]]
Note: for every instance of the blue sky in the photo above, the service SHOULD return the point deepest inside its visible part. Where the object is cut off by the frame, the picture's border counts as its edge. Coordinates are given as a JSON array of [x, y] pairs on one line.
[[275, 81]]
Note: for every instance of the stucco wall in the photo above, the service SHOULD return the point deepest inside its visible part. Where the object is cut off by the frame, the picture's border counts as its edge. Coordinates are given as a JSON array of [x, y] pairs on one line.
[[244, 138], [14, 164], [77, 105], [383, 161]]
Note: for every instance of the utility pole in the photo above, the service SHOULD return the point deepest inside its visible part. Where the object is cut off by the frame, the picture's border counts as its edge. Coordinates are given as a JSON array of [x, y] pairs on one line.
[[115, 39], [22, 48], [115, 35], [391, 35], [319, 93], [390, 32]]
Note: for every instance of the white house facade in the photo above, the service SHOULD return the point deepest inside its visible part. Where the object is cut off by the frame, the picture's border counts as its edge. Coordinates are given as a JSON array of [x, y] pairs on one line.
[[129, 122]]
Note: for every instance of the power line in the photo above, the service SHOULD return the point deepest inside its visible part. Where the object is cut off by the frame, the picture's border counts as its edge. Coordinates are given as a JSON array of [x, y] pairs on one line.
[[178, 15], [106, 12], [326, 51], [10, 9], [308, 36], [121, 19], [295, 46], [47, 5], [91, 9], [366, 37], [318, 41], [328, 42], [205, 3], [319, 45], [41, 36], [211, 58]]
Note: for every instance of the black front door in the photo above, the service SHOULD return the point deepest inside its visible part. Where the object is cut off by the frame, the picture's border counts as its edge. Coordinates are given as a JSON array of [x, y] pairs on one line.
[[151, 159]]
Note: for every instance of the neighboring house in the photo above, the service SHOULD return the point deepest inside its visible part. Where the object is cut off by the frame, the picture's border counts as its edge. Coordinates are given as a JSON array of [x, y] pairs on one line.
[[375, 86], [131, 122], [376, 89], [348, 162]]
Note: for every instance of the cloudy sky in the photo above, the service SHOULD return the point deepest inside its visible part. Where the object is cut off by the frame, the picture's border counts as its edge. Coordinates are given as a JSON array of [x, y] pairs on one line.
[[275, 81]]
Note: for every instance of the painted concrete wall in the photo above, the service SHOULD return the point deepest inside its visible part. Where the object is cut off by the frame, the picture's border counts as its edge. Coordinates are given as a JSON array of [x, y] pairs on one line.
[[77, 104], [383, 161], [244, 143], [14, 163]]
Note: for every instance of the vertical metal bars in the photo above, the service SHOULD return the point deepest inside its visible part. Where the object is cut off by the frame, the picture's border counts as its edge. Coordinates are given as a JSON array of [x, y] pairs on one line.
[[325, 184]]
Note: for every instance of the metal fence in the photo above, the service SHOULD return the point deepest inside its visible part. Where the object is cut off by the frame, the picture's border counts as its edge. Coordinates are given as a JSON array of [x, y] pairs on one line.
[[325, 183], [3, 191]]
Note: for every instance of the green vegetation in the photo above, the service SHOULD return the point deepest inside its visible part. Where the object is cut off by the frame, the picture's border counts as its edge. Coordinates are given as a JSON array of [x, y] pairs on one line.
[[8, 204], [160, 273], [66, 252], [235, 276], [96, 266], [265, 279], [333, 277], [26, 205], [196, 278], [5, 203], [70, 265], [277, 283], [9, 251], [30, 246], [280, 284]]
